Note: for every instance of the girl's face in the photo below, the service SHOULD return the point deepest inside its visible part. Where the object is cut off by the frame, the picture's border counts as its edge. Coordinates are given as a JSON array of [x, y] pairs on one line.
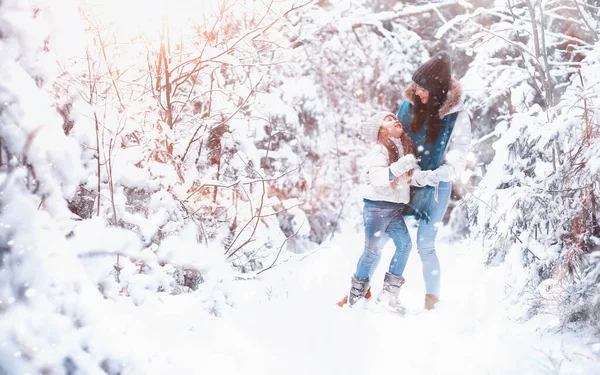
[[422, 94], [393, 126]]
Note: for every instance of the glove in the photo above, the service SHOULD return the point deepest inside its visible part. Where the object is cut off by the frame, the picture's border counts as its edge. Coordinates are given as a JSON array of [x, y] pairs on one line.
[[403, 165], [424, 178], [431, 178]]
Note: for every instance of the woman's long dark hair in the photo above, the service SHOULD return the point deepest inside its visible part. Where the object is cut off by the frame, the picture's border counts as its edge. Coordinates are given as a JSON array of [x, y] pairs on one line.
[[428, 113]]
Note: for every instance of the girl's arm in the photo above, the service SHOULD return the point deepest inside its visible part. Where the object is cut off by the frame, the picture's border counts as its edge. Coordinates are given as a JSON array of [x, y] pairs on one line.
[[455, 159], [377, 170], [381, 175]]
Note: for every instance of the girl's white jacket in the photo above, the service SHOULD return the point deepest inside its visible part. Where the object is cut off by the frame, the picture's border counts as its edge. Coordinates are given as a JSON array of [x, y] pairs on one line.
[[375, 177]]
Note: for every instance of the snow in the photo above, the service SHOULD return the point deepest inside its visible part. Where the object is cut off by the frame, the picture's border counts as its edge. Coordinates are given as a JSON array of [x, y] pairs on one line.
[[286, 322]]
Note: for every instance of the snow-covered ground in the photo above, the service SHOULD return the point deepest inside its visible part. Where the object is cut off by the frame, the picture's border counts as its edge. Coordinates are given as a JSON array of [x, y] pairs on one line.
[[287, 322]]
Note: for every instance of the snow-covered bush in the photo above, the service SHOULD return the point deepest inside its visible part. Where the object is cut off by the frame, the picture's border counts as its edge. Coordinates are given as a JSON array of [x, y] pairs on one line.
[[537, 207]]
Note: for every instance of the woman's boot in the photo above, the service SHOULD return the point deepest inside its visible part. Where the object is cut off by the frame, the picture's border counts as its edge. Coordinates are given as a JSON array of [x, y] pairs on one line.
[[430, 301], [389, 294]]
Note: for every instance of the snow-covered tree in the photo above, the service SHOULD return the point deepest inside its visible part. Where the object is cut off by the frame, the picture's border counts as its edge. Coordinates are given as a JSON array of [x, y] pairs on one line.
[[48, 305]]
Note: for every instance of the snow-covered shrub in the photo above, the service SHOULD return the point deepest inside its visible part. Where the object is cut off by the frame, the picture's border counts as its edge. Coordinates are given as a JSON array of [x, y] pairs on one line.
[[537, 207]]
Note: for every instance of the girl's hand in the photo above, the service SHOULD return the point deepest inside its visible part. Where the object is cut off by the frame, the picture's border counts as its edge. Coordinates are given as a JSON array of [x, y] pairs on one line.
[[403, 165]]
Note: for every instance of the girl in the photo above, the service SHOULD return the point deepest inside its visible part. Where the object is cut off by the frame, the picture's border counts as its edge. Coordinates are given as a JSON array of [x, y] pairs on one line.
[[434, 118], [385, 189]]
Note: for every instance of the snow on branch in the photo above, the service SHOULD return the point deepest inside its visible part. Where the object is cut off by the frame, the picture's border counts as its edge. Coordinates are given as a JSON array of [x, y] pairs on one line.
[[584, 17], [451, 24]]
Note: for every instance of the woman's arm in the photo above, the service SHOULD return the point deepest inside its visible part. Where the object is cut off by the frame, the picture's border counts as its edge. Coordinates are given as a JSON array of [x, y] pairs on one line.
[[455, 158]]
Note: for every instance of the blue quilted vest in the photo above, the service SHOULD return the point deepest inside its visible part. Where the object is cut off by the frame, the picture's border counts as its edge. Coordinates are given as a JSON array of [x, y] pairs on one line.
[[429, 156]]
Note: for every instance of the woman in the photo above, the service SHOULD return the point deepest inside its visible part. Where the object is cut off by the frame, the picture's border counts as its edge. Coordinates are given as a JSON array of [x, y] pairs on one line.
[[434, 118], [385, 189]]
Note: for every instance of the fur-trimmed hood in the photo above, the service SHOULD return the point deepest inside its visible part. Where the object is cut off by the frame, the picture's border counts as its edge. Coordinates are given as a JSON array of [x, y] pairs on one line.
[[453, 102]]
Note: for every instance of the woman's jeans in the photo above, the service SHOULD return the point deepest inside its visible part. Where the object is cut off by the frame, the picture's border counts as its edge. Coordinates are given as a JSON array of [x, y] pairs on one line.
[[381, 224], [426, 234]]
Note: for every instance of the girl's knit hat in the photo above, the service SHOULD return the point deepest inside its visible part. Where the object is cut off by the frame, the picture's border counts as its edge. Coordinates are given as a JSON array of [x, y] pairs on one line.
[[370, 128]]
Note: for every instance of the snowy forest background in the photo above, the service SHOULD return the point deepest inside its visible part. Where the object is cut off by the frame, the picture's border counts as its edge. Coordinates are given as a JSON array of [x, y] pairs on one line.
[[185, 146]]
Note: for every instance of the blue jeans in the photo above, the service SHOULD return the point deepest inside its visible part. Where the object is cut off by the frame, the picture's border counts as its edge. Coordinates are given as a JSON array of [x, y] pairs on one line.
[[381, 224], [426, 234]]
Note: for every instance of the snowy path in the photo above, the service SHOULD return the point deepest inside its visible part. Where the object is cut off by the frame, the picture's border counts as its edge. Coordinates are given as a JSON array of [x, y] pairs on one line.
[[290, 324]]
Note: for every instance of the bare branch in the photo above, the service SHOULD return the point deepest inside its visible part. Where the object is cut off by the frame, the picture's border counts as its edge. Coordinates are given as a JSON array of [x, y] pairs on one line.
[[102, 47], [544, 51], [248, 182], [258, 214], [280, 248], [193, 139]]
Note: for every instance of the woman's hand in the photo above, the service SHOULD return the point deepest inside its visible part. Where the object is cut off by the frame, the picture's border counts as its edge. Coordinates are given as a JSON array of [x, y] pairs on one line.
[[425, 178], [403, 165]]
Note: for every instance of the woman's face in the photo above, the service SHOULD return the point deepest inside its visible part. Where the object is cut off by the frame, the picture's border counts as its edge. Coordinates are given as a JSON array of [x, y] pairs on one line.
[[393, 126], [422, 94]]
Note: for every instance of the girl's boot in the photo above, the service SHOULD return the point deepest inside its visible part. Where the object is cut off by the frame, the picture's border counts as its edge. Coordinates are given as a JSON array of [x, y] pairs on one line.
[[358, 289], [389, 294]]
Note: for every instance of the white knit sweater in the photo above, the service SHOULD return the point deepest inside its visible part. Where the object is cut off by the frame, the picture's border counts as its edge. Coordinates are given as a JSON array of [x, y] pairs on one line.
[[375, 177]]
